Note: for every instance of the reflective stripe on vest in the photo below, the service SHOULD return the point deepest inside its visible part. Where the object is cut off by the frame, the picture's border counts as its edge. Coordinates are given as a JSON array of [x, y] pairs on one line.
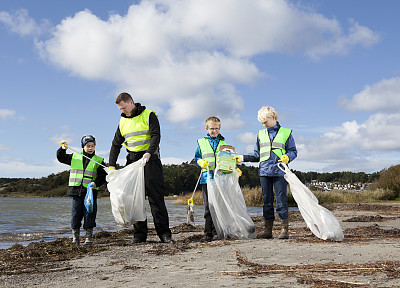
[[207, 152], [277, 146], [136, 131], [78, 175]]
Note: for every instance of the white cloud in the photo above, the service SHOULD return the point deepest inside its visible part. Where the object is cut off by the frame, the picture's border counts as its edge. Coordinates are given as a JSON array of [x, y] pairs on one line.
[[353, 146], [186, 57], [4, 147], [5, 113], [247, 138], [13, 166], [380, 96], [173, 160], [19, 22]]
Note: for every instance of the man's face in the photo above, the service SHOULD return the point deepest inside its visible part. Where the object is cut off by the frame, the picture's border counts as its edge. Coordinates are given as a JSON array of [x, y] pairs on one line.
[[126, 107]]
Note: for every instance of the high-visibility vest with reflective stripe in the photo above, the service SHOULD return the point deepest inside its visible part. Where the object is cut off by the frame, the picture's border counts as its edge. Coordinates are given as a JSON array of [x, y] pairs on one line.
[[278, 143], [207, 152], [78, 175], [136, 131]]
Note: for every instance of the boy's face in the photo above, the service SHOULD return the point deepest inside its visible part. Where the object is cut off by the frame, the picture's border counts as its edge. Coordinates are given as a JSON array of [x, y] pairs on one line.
[[89, 147], [270, 122], [126, 107], [213, 128]]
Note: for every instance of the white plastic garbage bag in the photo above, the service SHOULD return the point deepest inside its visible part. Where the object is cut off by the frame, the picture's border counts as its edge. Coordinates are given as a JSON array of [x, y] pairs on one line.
[[319, 220], [228, 208], [127, 193]]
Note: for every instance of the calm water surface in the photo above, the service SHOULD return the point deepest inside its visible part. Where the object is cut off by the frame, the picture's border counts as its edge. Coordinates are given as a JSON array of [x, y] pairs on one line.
[[23, 220]]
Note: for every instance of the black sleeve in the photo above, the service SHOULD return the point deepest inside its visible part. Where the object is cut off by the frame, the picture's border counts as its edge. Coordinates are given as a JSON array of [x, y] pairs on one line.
[[101, 176], [155, 133], [63, 157], [115, 148]]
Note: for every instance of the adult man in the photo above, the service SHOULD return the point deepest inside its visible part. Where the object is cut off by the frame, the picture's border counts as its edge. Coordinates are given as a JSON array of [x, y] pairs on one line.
[[139, 132]]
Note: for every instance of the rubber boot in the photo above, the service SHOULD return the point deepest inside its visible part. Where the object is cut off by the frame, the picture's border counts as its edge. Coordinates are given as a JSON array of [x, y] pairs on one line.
[[89, 235], [267, 234], [285, 230], [75, 236]]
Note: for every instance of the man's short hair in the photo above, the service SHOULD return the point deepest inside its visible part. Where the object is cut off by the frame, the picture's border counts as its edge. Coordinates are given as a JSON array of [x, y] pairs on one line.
[[125, 97]]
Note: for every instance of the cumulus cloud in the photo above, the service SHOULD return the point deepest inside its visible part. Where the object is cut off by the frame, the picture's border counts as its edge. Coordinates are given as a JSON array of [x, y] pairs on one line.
[[338, 148], [24, 169], [380, 96], [21, 23], [4, 147], [5, 113], [187, 57]]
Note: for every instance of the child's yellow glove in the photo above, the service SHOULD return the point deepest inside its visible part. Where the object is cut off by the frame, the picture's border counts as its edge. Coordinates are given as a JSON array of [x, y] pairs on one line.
[[238, 158], [239, 171], [285, 159], [203, 163]]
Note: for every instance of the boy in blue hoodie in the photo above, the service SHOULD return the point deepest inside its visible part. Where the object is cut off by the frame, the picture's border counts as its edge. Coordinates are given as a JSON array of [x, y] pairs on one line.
[[205, 155]]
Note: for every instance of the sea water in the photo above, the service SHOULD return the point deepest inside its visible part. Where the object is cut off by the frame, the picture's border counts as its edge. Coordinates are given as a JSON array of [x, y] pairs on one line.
[[23, 220]]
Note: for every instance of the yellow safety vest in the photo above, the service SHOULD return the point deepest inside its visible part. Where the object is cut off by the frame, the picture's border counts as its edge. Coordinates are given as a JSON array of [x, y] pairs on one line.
[[207, 152], [136, 131], [78, 175], [277, 145]]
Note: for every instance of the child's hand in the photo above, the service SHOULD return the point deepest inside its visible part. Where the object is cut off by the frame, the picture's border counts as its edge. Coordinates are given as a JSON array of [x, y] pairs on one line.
[[285, 159], [239, 171], [238, 158], [64, 144], [203, 163]]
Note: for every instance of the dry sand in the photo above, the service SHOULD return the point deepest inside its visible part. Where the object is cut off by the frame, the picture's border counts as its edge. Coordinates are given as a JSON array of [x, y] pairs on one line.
[[369, 256]]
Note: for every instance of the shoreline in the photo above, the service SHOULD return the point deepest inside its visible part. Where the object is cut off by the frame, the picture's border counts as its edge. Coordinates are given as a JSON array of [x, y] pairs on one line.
[[367, 257]]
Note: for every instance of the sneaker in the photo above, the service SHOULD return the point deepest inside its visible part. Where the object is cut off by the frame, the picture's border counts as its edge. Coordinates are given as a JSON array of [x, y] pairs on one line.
[[165, 238]]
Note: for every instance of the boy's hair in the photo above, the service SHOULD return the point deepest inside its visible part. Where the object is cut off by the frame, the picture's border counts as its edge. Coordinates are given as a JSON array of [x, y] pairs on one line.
[[125, 97], [213, 119], [266, 112]]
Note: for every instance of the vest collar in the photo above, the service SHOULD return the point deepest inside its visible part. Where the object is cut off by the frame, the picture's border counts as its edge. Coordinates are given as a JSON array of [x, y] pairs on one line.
[[137, 111], [220, 137]]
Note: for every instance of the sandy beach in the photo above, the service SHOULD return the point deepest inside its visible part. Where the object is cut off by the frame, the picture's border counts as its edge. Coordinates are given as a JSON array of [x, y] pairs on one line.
[[369, 256]]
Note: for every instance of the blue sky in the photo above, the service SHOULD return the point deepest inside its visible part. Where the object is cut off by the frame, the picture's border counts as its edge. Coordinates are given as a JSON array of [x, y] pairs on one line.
[[331, 69]]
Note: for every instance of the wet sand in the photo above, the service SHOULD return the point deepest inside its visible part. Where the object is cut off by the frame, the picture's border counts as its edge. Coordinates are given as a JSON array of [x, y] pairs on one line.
[[369, 256]]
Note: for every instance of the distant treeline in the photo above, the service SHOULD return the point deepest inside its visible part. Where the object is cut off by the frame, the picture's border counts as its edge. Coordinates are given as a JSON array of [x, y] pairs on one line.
[[179, 179]]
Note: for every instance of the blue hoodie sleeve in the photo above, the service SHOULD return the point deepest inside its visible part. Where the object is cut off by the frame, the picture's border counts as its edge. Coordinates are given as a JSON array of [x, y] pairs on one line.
[[255, 156]]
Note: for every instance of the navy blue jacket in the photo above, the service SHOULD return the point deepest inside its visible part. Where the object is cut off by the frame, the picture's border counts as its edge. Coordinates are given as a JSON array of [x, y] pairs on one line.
[[269, 167]]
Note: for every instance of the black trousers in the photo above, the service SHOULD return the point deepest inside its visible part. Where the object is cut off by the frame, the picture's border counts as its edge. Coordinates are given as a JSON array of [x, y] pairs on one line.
[[154, 186], [209, 228]]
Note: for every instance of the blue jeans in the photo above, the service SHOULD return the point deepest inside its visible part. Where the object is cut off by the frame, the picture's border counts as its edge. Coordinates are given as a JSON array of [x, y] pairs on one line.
[[268, 185], [79, 212]]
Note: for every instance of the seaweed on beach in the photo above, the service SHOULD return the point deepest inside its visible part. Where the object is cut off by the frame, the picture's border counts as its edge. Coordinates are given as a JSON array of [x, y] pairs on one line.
[[369, 218], [317, 274], [41, 256]]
